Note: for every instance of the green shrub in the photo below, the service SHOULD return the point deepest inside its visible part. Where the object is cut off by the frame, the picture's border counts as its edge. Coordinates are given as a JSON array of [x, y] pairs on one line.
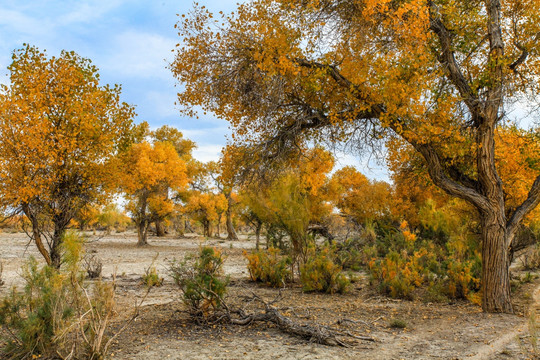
[[320, 273], [398, 324], [201, 281], [151, 277], [269, 267], [349, 254], [56, 314]]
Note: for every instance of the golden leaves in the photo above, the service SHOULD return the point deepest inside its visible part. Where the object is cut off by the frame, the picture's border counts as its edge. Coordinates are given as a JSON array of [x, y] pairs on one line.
[[58, 128]]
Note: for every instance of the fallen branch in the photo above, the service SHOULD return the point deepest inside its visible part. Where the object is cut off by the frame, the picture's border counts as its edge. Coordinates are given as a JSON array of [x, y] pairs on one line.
[[312, 332]]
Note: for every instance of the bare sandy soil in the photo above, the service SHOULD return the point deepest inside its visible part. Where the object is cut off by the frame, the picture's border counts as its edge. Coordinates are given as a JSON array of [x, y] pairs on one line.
[[164, 331]]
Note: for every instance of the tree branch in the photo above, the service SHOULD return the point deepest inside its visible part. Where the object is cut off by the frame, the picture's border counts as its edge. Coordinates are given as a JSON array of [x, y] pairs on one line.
[[447, 59], [521, 59], [533, 199], [437, 174]]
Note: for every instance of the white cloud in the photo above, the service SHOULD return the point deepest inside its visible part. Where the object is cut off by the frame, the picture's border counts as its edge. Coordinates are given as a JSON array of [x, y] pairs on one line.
[[22, 24], [138, 54], [87, 12], [207, 153]]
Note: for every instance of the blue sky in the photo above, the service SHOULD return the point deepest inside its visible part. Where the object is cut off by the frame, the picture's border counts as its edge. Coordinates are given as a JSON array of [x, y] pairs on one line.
[[131, 42]]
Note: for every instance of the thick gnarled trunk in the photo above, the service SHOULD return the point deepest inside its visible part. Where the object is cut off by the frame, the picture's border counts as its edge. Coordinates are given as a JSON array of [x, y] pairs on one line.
[[495, 264]]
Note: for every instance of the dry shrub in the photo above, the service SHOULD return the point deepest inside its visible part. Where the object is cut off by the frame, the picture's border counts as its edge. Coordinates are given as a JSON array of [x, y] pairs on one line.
[[321, 273], [93, 266], [57, 315], [269, 267]]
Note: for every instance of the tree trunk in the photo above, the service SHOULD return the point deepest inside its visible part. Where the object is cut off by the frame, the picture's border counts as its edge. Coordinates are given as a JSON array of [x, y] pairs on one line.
[[187, 226], [56, 254], [206, 226], [495, 265], [231, 233], [160, 228], [142, 232], [258, 235], [218, 230], [36, 233]]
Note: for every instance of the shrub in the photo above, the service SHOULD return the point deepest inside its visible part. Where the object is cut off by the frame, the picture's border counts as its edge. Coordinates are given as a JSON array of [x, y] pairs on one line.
[[269, 267], [320, 273], [1, 271], [463, 278], [151, 277], [201, 281], [93, 266], [398, 274], [398, 324], [56, 315], [349, 254]]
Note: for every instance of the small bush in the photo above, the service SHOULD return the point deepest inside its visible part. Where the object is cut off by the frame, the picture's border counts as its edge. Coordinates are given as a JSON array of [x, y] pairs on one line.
[[269, 267], [151, 277], [398, 274], [349, 254], [398, 324], [1, 271], [93, 266], [320, 273], [463, 278], [201, 281], [56, 315]]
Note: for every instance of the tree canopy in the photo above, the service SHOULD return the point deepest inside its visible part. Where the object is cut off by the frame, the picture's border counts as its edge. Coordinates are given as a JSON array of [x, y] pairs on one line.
[[436, 74], [60, 131]]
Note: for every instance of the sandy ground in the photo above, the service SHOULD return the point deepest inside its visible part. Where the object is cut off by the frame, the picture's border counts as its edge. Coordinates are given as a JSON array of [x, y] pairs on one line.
[[164, 331]]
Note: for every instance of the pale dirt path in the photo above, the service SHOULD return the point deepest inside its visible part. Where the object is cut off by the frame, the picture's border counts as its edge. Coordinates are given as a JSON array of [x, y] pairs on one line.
[[512, 339]]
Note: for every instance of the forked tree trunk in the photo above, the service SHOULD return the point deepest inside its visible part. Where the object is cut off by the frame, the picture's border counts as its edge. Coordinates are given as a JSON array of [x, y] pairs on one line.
[[495, 265]]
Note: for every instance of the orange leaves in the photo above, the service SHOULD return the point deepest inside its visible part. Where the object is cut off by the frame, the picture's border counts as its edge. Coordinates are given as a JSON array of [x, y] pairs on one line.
[[358, 197], [148, 166], [58, 128]]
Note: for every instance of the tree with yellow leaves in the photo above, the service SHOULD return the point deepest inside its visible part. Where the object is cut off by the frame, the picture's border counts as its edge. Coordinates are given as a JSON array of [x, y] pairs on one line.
[[359, 198], [184, 147], [437, 74], [293, 198], [60, 131], [149, 169]]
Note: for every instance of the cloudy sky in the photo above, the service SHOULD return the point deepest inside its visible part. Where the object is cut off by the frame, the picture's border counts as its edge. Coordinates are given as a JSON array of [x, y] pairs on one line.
[[131, 42]]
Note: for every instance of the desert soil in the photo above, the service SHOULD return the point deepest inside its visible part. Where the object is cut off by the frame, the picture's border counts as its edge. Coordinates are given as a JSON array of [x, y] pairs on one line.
[[164, 331]]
